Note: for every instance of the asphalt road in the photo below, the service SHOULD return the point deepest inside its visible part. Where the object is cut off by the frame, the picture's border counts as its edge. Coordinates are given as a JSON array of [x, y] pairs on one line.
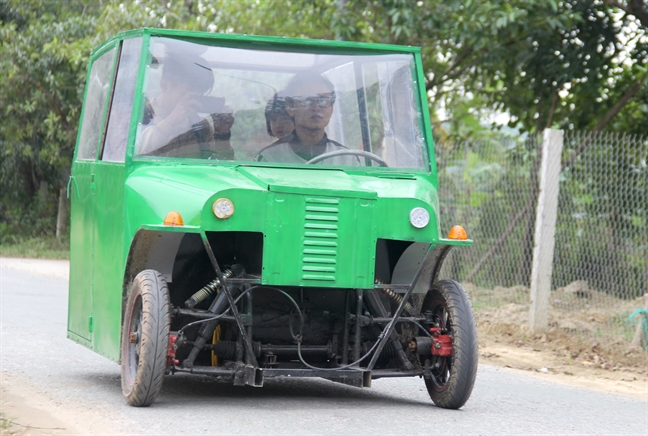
[[82, 390]]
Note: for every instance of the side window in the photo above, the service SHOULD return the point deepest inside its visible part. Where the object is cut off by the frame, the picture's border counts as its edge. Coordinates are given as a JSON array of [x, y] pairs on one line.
[[392, 114], [94, 106], [122, 103]]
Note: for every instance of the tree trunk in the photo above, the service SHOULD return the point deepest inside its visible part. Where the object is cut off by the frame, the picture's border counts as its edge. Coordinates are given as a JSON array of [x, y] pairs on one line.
[[42, 192], [62, 217]]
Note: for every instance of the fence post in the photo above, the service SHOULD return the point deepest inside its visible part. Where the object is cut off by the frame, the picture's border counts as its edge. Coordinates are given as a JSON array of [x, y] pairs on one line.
[[545, 228]]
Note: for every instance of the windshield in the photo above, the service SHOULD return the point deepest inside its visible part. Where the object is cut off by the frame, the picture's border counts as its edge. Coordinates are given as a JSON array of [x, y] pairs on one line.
[[280, 107]]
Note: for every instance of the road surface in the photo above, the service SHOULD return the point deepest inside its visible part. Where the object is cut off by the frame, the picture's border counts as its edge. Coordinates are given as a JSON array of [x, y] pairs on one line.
[[57, 387]]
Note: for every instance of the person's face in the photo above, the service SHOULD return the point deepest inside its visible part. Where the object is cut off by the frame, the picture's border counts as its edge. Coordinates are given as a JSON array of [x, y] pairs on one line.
[[281, 125], [312, 106], [178, 99], [174, 90]]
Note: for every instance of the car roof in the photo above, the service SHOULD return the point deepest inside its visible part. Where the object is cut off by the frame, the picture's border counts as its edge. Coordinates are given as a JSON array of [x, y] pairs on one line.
[[264, 42]]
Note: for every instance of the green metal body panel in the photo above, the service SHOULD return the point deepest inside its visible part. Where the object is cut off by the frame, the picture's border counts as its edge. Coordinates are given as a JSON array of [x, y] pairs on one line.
[[82, 188], [81, 234], [108, 258], [320, 225]]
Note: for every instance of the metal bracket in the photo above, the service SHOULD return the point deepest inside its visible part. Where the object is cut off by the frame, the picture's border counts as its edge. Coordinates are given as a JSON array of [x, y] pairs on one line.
[[250, 358]]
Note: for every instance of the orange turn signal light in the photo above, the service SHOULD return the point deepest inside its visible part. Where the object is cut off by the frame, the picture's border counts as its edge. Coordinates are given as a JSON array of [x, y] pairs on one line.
[[173, 218], [458, 232]]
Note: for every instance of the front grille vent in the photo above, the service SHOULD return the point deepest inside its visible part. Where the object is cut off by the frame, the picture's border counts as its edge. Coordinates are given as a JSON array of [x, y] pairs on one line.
[[320, 252]]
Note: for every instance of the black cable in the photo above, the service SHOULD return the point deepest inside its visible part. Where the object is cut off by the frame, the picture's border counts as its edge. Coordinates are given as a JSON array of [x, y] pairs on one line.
[[298, 338], [217, 316], [419, 326]]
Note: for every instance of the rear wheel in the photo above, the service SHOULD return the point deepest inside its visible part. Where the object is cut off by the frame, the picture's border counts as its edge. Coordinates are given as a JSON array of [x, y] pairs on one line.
[[145, 338], [452, 377]]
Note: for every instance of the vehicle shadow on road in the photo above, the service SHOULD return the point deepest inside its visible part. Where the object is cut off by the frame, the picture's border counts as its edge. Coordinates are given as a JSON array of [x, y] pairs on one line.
[[298, 392]]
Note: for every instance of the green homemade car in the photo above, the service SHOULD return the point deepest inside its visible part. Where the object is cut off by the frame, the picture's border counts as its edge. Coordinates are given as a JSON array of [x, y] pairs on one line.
[[249, 207]]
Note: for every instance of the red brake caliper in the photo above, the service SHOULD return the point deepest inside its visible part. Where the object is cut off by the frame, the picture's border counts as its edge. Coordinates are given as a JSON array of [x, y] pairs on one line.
[[441, 344], [171, 352]]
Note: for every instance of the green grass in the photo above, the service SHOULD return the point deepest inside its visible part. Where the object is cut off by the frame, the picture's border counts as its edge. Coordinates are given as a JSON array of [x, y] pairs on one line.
[[5, 424], [37, 248], [617, 326]]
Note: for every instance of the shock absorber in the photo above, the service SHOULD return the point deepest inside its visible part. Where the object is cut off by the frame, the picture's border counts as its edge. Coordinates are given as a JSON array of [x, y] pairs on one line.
[[397, 298], [209, 289], [217, 307]]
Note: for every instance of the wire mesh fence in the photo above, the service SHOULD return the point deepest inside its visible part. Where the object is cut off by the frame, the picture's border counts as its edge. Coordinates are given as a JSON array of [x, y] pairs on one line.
[[600, 266]]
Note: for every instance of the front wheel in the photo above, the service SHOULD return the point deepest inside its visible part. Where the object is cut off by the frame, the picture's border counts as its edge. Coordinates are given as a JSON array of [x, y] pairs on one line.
[[145, 338], [452, 378]]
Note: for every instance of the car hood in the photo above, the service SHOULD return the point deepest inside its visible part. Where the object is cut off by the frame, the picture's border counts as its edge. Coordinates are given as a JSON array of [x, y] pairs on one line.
[[155, 190]]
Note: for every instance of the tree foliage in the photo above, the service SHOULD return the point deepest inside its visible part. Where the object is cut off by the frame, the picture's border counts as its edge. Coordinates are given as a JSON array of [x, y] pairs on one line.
[[563, 63], [40, 97]]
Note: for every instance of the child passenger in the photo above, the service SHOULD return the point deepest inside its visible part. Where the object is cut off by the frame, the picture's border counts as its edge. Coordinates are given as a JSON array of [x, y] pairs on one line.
[[278, 122]]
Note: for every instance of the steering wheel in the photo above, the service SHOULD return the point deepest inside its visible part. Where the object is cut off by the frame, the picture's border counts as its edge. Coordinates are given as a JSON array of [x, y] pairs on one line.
[[360, 153]]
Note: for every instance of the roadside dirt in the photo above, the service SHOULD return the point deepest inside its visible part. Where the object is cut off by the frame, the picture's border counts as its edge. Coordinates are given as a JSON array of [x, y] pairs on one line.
[[581, 347], [25, 411], [555, 356], [570, 362]]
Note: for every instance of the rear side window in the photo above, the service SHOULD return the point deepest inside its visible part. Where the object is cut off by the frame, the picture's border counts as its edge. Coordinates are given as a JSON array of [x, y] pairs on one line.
[[94, 107], [122, 102]]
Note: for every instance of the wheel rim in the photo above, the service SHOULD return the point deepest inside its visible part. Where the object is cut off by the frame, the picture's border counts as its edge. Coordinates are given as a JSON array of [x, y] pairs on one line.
[[134, 346], [441, 366]]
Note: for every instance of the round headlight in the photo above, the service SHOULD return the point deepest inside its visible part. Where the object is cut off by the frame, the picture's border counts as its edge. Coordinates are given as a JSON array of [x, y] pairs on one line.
[[419, 217], [223, 208]]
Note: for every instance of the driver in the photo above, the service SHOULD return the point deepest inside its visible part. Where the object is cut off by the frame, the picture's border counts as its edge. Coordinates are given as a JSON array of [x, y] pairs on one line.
[[175, 125], [309, 101]]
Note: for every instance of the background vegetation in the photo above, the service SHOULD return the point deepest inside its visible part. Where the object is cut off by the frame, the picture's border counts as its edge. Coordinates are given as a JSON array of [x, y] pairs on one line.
[[573, 64]]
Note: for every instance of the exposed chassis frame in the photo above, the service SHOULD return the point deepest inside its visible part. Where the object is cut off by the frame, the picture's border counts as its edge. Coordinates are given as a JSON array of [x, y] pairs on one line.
[[250, 373]]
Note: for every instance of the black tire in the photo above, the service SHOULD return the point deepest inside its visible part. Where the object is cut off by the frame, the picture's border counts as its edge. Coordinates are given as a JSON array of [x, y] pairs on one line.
[[147, 323], [452, 377]]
